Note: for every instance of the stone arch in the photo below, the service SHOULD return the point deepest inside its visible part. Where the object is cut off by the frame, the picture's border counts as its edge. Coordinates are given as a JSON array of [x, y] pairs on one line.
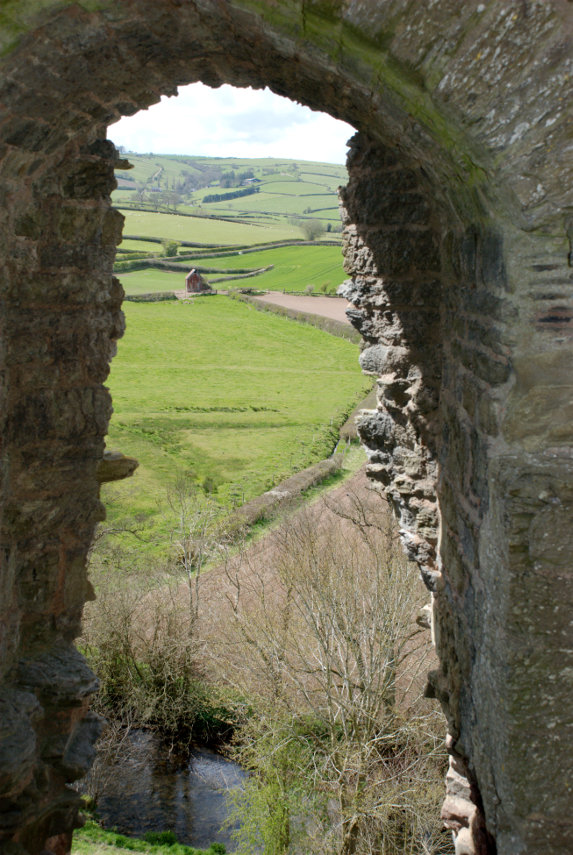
[[458, 233]]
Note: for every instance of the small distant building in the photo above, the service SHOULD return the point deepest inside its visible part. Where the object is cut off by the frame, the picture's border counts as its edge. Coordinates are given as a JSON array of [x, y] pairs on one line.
[[195, 283]]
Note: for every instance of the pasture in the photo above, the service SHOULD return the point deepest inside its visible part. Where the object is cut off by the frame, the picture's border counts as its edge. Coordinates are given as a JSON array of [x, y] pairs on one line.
[[202, 230], [295, 269], [287, 192], [237, 398]]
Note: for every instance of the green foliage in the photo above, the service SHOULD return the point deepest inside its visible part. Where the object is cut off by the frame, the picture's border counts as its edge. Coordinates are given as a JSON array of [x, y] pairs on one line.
[[130, 264], [223, 197], [311, 229], [170, 248], [153, 297], [274, 800], [161, 838]]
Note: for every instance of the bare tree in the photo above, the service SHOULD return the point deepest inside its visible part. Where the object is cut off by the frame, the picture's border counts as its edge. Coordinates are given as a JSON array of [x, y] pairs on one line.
[[198, 533], [332, 655]]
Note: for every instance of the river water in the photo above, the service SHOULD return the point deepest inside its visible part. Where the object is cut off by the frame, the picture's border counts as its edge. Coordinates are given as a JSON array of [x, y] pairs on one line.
[[150, 789]]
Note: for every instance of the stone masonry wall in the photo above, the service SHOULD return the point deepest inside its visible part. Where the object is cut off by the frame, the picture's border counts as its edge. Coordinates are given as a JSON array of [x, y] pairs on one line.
[[61, 316], [458, 231], [406, 307]]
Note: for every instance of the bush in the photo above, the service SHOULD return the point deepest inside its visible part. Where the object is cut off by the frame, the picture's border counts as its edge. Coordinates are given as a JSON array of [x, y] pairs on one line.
[[140, 642], [170, 248], [224, 197], [152, 297], [132, 264]]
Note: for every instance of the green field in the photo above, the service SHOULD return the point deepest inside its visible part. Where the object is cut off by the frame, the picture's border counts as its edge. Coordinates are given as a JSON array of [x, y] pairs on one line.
[[233, 395], [322, 206], [281, 195], [162, 198], [161, 170], [152, 280], [202, 230], [295, 268]]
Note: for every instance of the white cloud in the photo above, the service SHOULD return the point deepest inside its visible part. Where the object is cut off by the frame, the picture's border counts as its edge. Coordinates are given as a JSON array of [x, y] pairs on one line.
[[230, 122]]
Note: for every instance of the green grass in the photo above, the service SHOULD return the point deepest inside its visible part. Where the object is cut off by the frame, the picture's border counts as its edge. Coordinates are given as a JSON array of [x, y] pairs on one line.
[[216, 388], [202, 230], [287, 189], [151, 279], [94, 840], [295, 267], [287, 204]]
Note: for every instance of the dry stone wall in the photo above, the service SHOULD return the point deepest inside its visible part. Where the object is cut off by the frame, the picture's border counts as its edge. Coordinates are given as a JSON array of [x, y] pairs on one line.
[[458, 227]]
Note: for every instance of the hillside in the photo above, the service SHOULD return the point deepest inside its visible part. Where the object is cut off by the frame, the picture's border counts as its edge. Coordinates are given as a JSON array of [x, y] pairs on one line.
[[237, 398], [266, 190], [276, 220]]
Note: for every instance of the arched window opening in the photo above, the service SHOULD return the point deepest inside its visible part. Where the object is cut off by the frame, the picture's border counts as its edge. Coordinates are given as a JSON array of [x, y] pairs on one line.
[[171, 539]]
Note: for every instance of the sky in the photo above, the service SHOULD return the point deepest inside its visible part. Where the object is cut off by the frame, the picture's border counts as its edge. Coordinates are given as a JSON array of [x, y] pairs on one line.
[[231, 122]]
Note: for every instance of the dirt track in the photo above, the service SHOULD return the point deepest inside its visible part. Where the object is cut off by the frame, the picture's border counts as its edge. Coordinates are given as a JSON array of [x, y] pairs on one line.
[[327, 307]]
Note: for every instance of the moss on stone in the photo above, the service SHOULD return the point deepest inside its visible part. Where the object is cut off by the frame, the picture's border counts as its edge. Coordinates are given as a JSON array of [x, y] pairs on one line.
[[18, 17]]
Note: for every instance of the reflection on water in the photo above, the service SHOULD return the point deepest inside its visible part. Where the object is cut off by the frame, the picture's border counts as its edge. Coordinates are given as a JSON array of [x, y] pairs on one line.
[[152, 790]]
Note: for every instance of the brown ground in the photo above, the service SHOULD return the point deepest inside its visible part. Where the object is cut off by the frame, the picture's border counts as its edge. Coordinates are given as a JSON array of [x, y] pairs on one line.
[[327, 307], [255, 571], [216, 590]]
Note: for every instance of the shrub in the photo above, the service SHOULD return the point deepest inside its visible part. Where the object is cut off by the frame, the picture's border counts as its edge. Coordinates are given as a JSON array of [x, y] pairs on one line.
[[170, 248], [141, 644]]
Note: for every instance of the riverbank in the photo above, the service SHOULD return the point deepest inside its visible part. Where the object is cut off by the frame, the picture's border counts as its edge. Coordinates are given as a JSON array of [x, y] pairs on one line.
[[92, 839]]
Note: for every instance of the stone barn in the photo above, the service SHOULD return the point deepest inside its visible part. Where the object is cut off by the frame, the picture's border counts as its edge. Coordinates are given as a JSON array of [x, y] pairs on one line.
[[195, 283], [458, 233]]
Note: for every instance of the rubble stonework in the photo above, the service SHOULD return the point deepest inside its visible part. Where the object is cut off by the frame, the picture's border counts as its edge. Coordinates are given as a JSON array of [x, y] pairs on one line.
[[458, 228]]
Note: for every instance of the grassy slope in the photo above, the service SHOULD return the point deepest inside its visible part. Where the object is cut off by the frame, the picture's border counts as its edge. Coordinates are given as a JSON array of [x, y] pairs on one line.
[[233, 394], [286, 189], [295, 267], [144, 166], [203, 231]]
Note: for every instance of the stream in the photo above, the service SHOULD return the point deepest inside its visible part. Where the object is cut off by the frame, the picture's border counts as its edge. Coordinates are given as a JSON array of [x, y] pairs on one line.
[[150, 789]]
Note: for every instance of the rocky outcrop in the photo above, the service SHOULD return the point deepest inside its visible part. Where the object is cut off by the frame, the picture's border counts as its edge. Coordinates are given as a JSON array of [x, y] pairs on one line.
[[114, 466]]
